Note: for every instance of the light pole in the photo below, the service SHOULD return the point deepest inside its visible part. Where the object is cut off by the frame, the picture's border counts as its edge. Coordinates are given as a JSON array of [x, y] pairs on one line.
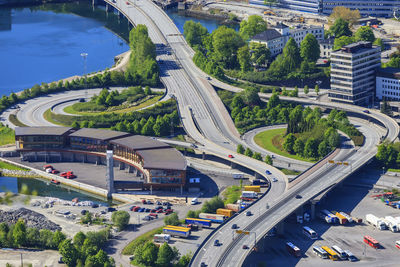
[[84, 56]]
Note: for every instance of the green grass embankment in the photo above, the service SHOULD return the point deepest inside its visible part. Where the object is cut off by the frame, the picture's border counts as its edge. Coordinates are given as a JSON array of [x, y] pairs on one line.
[[7, 135], [8, 166], [14, 120], [140, 240]]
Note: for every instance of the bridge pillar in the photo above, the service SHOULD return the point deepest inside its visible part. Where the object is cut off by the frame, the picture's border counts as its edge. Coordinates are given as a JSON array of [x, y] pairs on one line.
[[110, 173], [35, 156], [257, 175], [312, 215], [185, 152], [122, 166], [131, 168], [109, 8], [204, 156], [84, 158], [280, 228], [233, 165], [73, 157], [94, 2], [98, 160]]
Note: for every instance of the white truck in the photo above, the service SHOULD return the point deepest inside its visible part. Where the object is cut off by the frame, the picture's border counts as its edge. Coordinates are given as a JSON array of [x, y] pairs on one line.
[[162, 238], [375, 221], [348, 217], [249, 194], [392, 224]]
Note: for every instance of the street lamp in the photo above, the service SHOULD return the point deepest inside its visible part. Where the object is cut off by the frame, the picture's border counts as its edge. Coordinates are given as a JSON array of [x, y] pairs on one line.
[[84, 56]]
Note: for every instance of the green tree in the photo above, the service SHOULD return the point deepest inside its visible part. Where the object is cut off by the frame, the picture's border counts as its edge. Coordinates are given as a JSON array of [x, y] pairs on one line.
[[248, 152], [260, 54], [340, 28], [379, 42], [342, 41], [19, 233], [250, 97], [120, 219], [323, 149], [226, 42], [172, 219], [147, 90], [166, 255], [195, 33], [309, 48], [298, 147], [243, 56], [75, 124], [364, 33], [79, 238], [253, 25], [150, 252], [184, 260], [394, 62], [58, 238], [316, 89], [268, 160], [386, 108], [291, 56], [68, 252], [240, 149], [212, 205], [257, 156], [273, 101], [311, 148], [306, 90], [288, 144]]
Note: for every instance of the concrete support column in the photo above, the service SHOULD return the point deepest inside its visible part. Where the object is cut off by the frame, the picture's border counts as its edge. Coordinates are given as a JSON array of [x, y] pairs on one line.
[[98, 160], [35, 156], [181, 190], [131, 168], [312, 215], [204, 156], [122, 166], [110, 173], [151, 189], [233, 165], [84, 158], [185, 152], [73, 157], [257, 175], [280, 228], [300, 211]]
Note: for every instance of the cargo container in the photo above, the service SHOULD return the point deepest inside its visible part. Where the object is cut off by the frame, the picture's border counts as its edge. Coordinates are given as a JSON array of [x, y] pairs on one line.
[[254, 188], [249, 194], [161, 238], [226, 212], [202, 222], [176, 231], [375, 221], [234, 207], [348, 217], [217, 218], [342, 219]]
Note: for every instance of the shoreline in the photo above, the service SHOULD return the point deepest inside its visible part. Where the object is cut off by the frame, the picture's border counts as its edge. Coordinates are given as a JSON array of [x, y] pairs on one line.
[[20, 3]]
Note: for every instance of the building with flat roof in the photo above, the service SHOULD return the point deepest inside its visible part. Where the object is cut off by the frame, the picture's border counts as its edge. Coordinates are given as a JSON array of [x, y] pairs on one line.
[[326, 47], [159, 165], [388, 84], [353, 73]]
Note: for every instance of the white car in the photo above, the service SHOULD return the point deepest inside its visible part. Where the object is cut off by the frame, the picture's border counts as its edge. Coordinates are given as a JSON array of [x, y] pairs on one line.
[[274, 179]]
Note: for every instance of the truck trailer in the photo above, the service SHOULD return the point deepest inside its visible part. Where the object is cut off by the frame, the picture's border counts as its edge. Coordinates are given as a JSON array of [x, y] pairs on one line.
[[226, 212], [176, 231], [342, 219], [234, 207], [217, 218], [254, 188], [161, 238], [391, 223], [375, 221], [349, 218], [249, 194], [202, 222], [328, 216]]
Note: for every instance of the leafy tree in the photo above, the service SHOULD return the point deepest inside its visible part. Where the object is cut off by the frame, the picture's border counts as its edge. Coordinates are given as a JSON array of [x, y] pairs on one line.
[[212, 205], [226, 42], [323, 149], [257, 156], [250, 97], [316, 89], [248, 152], [253, 25], [259, 54], [149, 255], [341, 12], [298, 147], [79, 238], [386, 108], [243, 55], [120, 219], [184, 260], [289, 142], [379, 42], [166, 255], [340, 28], [311, 148], [273, 101], [58, 237], [195, 33], [147, 90], [309, 48], [394, 62], [268, 160], [291, 56], [240, 149], [68, 252], [75, 124], [342, 41], [172, 219], [364, 33], [19, 233]]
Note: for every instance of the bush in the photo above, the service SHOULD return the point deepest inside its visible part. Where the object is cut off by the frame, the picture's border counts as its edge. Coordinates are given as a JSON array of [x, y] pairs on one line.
[[120, 219], [172, 219]]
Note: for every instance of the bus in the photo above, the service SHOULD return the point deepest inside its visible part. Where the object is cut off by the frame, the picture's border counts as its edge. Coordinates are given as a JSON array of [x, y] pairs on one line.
[[398, 244], [371, 241], [320, 252], [342, 255], [310, 233], [331, 254], [295, 251], [202, 222]]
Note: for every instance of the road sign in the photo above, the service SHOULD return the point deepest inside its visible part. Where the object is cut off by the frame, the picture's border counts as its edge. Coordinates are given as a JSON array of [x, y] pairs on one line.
[[339, 163], [346, 163], [242, 232]]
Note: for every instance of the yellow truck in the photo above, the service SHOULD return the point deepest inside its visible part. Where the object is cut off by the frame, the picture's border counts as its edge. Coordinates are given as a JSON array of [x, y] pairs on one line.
[[225, 212], [254, 188]]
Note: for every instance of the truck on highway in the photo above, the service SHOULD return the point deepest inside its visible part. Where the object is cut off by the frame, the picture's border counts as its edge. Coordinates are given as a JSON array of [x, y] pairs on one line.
[[217, 218], [249, 194], [202, 222], [259, 182], [176, 231], [375, 221], [342, 219], [226, 212], [254, 188], [328, 216], [234, 207], [162, 238], [392, 223]]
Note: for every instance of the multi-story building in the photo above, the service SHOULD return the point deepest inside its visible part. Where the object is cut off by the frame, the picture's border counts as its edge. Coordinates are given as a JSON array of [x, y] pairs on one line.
[[326, 47], [311, 6], [388, 84], [276, 38], [353, 70]]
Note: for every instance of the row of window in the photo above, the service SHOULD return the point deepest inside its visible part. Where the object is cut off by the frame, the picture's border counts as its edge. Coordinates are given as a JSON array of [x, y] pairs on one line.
[[391, 81]]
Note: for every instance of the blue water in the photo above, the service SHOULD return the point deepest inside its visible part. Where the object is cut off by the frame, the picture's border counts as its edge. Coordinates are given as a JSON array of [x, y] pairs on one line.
[[43, 46], [180, 19], [45, 188]]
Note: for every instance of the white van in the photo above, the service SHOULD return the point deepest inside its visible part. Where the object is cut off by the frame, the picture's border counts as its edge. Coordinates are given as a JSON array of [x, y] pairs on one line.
[[194, 201]]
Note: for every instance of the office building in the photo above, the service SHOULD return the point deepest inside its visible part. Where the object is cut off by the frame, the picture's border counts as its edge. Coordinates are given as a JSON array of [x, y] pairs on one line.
[[388, 84], [353, 70]]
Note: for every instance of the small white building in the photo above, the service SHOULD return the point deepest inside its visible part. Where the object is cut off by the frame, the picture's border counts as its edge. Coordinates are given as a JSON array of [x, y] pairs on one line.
[[326, 47], [388, 84], [276, 38]]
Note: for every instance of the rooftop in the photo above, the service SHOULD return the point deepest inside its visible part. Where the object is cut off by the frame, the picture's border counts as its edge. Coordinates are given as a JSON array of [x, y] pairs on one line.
[[138, 142], [330, 40], [391, 73], [356, 48], [280, 25], [164, 158], [41, 130], [98, 134], [267, 35]]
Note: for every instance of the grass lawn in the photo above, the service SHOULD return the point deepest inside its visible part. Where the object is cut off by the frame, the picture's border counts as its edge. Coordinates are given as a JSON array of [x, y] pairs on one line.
[[47, 116], [272, 140], [290, 172], [14, 120], [130, 248], [151, 101], [394, 170], [7, 136], [8, 166]]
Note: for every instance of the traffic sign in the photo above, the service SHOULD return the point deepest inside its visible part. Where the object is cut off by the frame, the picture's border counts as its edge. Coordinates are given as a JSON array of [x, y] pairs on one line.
[[242, 232]]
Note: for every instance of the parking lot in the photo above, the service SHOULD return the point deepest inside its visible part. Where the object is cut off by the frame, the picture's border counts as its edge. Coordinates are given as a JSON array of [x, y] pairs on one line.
[[356, 201]]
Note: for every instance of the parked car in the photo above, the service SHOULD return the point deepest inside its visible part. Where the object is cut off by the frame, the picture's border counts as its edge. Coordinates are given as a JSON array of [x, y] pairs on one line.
[[159, 211], [147, 218], [234, 226], [111, 209], [153, 215], [47, 167], [54, 171], [83, 212], [136, 209], [132, 208], [142, 210], [147, 210], [159, 208], [153, 210], [144, 201], [158, 203], [248, 213], [95, 205], [149, 202]]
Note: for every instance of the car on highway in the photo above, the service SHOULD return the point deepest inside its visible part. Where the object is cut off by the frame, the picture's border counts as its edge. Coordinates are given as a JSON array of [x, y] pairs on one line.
[[245, 247], [208, 78], [268, 172], [274, 179], [193, 145], [230, 156], [366, 111], [248, 213], [216, 243], [234, 226], [298, 196], [128, 3]]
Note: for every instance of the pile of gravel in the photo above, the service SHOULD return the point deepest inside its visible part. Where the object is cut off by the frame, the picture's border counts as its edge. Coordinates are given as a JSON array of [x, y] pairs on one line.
[[31, 218]]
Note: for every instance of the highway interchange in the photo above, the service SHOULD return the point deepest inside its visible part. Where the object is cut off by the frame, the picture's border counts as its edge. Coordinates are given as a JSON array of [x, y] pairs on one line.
[[207, 121]]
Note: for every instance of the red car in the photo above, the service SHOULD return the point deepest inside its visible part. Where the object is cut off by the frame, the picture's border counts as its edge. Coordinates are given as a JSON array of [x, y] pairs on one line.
[[230, 156], [136, 209], [128, 3], [153, 210], [47, 167], [159, 211], [144, 201], [54, 171], [132, 208], [153, 215]]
